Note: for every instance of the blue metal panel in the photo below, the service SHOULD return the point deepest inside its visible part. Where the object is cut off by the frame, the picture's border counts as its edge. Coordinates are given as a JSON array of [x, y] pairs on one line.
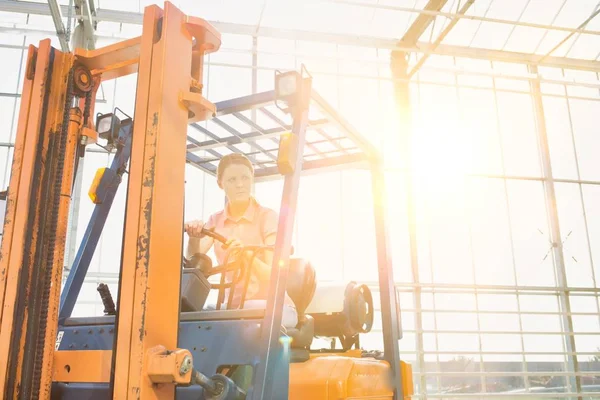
[[93, 231], [245, 103], [212, 344], [100, 391]]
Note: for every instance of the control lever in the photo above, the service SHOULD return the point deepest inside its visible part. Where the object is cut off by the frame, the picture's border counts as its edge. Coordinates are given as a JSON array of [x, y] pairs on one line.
[[219, 387]]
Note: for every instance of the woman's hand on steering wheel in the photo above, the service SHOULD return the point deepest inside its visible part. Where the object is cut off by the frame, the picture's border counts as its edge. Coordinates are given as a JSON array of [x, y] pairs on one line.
[[194, 228], [233, 246]]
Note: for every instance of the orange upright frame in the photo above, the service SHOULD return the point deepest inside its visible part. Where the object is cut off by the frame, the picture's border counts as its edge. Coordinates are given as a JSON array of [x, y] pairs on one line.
[[149, 291], [168, 58], [37, 210]]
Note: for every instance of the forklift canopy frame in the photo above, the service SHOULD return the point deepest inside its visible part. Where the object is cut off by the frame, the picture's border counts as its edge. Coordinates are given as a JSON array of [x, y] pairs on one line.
[[252, 125]]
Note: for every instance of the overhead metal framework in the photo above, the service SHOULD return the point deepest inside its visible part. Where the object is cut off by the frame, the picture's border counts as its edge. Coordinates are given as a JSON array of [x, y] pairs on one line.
[[331, 142], [418, 37]]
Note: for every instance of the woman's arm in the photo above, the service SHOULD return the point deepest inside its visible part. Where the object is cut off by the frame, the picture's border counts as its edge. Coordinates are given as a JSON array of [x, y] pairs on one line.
[[262, 268], [198, 245], [262, 265]]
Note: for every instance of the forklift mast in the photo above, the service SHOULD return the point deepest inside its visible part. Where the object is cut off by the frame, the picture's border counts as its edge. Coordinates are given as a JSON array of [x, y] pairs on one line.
[[57, 102]]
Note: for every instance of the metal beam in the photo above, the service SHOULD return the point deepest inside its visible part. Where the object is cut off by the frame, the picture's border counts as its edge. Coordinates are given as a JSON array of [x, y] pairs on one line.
[[421, 23], [87, 10], [471, 17], [555, 236], [340, 39], [135, 18], [61, 32], [441, 37]]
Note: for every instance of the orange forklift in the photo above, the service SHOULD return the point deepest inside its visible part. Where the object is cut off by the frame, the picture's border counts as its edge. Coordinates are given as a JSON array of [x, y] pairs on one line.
[[158, 341]]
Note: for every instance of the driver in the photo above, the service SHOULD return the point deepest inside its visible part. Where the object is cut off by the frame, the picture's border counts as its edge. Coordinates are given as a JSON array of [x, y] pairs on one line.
[[245, 223]]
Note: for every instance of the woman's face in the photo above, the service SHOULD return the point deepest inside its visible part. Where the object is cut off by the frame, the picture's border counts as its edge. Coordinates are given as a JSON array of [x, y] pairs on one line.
[[237, 183]]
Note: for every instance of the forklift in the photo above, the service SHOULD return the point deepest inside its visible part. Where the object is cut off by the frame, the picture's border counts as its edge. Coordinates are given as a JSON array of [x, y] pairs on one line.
[[158, 340]]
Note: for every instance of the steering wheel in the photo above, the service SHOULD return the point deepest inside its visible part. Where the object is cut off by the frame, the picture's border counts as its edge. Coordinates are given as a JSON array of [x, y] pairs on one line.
[[238, 270]]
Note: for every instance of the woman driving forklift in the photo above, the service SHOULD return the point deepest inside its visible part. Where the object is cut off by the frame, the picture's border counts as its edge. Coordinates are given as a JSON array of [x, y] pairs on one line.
[[245, 223]]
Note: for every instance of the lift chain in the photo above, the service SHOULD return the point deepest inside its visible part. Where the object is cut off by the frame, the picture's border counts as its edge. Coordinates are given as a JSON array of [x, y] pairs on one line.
[[51, 238], [87, 108]]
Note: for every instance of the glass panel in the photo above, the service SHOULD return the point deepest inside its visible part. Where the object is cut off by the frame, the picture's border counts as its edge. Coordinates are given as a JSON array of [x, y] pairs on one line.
[[518, 131], [479, 132], [541, 323], [9, 69], [227, 83], [361, 111], [454, 301], [576, 250], [584, 303], [560, 138], [5, 167], [490, 232], [319, 223], [398, 227], [7, 107], [499, 322], [587, 142], [544, 343], [500, 343], [357, 227], [125, 93], [456, 322], [585, 323], [497, 302], [591, 198], [531, 236], [537, 303], [447, 242], [458, 342]]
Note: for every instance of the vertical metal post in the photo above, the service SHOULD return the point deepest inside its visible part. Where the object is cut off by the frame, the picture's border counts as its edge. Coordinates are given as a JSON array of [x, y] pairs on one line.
[[390, 310], [555, 236], [254, 73], [263, 381], [399, 68], [150, 278]]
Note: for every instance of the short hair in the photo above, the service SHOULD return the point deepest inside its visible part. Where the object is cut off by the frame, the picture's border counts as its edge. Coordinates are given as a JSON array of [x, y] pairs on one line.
[[230, 159]]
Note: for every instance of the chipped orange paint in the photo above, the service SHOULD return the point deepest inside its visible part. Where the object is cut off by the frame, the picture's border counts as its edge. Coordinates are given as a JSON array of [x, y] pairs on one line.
[[14, 251], [75, 120], [132, 221], [112, 61], [150, 277], [82, 366]]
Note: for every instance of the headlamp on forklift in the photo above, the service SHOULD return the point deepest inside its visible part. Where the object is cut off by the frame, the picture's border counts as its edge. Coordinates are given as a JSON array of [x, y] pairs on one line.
[[287, 84], [289, 88], [107, 126]]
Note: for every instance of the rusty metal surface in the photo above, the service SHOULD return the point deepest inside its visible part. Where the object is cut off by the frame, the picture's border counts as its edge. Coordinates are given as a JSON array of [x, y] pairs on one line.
[[112, 61], [33, 262], [25, 194], [149, 289]]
